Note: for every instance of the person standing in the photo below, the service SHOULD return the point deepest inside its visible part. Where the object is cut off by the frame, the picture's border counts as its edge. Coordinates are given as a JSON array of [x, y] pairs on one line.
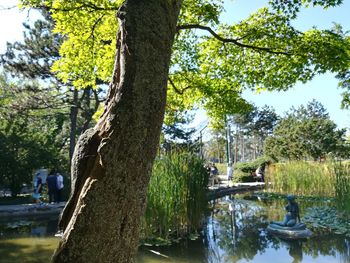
[[229, 171], [38, 188], [60, 187], [214, 170], [260, 172], [52, 187]]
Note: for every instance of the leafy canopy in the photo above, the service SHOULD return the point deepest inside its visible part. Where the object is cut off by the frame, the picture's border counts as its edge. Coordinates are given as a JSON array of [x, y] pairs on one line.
[[212, 62]]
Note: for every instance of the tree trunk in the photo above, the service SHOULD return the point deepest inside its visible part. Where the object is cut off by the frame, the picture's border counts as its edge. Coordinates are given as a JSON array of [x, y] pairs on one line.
[[112, 162], [73, 123]]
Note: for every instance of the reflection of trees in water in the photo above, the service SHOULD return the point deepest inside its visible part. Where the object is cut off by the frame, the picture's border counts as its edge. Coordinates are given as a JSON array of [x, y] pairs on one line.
[[295, 249], [329, 245], [319, 246], [241, 234], [31, 226], [236, 235]]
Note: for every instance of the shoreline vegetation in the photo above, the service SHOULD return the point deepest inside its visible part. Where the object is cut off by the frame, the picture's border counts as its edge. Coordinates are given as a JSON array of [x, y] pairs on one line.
[[178, 196], [328, 182], [302, 178], [176, 201], [322, 217]]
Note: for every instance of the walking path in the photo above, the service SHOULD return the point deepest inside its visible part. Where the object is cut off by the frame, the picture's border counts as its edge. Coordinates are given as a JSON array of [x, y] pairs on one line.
[[7, 211], [222, 188]]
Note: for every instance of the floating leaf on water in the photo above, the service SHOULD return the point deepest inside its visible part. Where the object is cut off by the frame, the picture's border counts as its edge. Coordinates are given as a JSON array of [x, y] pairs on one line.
[[194, 236]]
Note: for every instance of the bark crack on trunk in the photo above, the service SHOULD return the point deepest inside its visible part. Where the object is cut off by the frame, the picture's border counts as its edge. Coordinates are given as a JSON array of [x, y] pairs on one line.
[[84, 157]]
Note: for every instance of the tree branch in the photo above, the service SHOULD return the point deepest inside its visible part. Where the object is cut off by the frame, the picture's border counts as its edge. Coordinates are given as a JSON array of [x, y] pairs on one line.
[[98, 20], [181, 92], [230, 40], [90, 6], [3, 8]]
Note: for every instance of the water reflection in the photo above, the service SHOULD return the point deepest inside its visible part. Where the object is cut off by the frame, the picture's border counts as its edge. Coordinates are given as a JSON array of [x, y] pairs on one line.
[[35, 226], [27, 240], [237, 234], [240, 235], [229, 235]]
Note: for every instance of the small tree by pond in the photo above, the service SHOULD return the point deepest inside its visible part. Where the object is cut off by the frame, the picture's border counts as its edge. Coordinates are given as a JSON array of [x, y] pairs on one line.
[[176, 199]]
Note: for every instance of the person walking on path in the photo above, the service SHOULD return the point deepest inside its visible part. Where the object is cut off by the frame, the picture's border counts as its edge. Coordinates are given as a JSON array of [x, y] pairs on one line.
[[38, 188], [60, 187], [52, 187]]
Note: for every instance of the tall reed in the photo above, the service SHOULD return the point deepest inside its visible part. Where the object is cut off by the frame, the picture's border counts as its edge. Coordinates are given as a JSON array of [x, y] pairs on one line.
[[342, 186], [176, 197], [302, 178]]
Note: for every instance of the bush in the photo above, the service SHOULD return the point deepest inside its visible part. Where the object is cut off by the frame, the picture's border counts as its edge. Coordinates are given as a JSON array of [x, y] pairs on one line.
[[243, 172], [249, 167], [242, 177]]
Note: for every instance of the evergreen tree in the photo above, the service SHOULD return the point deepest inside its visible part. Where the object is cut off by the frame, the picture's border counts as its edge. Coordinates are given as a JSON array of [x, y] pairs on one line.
[[305, 132]]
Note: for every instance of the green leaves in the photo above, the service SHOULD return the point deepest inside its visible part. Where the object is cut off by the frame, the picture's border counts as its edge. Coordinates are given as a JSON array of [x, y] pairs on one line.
[[201, 11], [30, 133], [89, 28], [306, 132], [292, 7], [209, 68]]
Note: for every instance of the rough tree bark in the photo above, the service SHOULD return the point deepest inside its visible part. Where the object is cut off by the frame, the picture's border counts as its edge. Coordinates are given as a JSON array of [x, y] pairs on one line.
[[112, 162], [73, 123]]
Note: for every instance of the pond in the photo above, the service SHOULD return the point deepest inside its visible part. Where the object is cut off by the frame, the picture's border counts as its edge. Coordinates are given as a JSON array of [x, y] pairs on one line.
[[237, 236]]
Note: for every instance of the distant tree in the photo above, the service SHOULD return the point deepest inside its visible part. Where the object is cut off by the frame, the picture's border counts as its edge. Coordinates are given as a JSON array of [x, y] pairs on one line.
[[175, 135], [32, 59], [30, 137], [305, 132], [252, 127], [264, 122], [215, 148]]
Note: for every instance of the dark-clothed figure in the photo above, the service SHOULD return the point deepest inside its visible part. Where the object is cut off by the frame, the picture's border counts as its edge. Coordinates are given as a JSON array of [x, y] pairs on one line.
[[214, 170], [60, 187], [52, 187], [292, 213]]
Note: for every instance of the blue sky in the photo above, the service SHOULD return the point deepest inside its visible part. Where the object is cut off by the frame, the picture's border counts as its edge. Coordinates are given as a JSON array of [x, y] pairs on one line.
[[323, 88]]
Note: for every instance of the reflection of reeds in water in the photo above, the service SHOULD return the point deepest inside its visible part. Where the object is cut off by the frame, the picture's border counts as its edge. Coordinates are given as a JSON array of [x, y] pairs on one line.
[[342, 186], [176, 197], [302, 178]]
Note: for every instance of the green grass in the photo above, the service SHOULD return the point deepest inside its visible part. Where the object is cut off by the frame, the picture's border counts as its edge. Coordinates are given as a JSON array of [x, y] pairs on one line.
[[302, 178]]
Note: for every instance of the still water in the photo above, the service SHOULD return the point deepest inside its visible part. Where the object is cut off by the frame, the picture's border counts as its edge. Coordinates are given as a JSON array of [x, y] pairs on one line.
[[237, 236]]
